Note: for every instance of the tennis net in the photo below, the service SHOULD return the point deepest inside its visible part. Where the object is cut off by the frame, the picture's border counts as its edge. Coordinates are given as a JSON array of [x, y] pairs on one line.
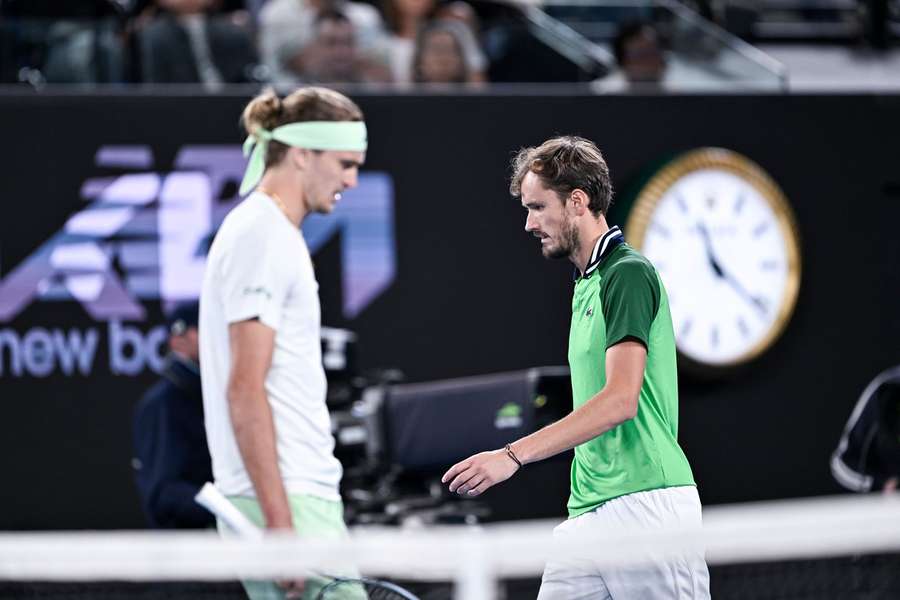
[[842, 547]]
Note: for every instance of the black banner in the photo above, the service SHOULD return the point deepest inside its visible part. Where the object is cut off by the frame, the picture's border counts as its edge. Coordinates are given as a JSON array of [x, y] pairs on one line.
[[106, 201]]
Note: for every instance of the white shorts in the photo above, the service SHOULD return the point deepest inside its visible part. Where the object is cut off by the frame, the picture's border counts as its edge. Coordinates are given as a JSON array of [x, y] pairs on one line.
[[684, 577]]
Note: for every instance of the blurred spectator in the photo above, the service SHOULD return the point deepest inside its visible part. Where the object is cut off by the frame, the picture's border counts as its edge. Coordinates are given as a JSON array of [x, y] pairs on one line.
[[641, 60], [185, 43], [459, 11], [84, 52], [47, 41], [440, 54], [404, 20], [476, 60], [287, 27], [868, 455], [332, 55], [171, 456], [254, 8]]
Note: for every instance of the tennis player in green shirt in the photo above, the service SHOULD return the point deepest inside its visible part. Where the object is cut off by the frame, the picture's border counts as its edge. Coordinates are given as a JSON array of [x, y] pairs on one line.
[[629, 472]]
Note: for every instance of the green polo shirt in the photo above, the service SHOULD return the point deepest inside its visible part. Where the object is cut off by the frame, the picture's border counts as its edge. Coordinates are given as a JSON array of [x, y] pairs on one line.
[[621, 297]]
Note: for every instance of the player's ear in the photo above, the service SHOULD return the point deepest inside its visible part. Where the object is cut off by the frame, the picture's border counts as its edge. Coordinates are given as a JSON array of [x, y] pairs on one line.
[[579, 201], [299, 157], [177, 343]]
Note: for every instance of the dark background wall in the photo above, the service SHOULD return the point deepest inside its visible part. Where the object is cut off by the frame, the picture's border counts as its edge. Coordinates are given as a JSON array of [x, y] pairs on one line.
[[472, 294]]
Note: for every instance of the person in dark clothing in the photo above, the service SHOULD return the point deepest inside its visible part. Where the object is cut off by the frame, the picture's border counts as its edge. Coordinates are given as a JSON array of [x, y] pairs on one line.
[[868, 455], [171, 456], [187, 44], [639, 53]]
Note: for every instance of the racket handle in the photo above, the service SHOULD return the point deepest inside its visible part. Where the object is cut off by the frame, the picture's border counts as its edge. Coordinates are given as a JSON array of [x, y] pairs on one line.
[[210, 498]]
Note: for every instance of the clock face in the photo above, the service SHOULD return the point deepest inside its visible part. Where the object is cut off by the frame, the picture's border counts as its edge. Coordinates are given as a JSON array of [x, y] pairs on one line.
[[722, 237]]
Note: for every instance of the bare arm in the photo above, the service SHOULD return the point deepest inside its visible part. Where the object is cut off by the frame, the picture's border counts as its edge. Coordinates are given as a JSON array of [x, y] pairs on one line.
[[615, 404], [252, 344]]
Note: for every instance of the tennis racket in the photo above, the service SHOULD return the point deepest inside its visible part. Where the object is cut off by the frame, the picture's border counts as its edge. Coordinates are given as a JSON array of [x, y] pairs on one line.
[[335, 588], [342, 588]]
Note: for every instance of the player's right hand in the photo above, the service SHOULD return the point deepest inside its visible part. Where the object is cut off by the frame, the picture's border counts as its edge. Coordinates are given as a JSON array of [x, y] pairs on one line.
[[292, 588], [282, 524], [477, 473]]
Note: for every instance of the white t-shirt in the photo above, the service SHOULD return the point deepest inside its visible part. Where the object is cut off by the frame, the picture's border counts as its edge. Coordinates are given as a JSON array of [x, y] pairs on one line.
[[259, 267], [401, 56]]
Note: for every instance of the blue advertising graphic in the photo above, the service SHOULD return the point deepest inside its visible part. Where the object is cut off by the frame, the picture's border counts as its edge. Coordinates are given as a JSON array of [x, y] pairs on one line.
[[142, 237]]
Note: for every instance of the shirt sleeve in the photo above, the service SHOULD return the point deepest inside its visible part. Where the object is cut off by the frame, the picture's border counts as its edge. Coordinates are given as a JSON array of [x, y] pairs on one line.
[[256, 279], [857, 463], [630, 298]]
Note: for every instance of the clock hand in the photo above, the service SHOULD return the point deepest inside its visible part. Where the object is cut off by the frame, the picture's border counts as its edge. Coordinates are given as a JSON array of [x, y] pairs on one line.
[[722, 274], [709, 251], [755, 300]]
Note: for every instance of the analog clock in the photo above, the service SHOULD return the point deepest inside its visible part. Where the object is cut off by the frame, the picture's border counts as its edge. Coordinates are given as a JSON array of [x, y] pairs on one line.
[[723, 238]]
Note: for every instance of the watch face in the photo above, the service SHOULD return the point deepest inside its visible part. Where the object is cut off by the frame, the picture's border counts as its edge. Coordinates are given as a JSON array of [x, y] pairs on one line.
[[722, 237]]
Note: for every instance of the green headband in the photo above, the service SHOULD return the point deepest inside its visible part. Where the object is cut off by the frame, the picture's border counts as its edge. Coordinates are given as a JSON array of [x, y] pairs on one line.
[[349, 136]]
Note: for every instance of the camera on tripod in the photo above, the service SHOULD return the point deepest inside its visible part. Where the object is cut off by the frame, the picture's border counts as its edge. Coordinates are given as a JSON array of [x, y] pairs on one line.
[[396, 439]]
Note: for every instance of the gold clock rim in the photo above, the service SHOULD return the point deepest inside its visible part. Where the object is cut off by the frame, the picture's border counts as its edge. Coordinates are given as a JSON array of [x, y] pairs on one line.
[[719, 158]]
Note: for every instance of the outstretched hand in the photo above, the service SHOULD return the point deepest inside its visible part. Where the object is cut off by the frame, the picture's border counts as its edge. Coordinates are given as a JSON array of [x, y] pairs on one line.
[[477, 473]]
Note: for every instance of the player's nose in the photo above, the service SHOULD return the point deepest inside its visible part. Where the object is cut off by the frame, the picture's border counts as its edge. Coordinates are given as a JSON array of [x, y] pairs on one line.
[[351, 178]]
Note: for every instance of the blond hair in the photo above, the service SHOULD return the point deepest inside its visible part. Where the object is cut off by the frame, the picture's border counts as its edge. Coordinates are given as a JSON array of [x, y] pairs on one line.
[[268, 111]]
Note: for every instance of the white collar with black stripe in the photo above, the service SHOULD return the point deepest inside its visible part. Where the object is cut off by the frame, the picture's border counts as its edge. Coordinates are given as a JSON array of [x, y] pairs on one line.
[[603, 248]]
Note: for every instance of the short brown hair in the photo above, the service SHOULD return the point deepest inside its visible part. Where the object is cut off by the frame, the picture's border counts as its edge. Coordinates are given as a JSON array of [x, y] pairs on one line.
[[268, 111], [564, 164]]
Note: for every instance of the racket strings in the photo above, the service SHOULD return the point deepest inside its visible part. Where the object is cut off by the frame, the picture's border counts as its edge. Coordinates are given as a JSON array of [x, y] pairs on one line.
[[362, 589]]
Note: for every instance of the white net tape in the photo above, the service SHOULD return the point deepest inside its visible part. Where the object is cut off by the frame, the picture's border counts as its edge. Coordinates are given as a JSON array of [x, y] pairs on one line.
[[471, 557]]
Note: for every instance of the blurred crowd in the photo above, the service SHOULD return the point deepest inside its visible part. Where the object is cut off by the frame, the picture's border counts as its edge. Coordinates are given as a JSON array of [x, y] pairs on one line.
[[218, 42]]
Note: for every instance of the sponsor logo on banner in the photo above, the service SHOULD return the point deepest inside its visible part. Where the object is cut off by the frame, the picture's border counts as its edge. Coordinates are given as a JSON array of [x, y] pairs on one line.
[[509, 416], [142, 237]]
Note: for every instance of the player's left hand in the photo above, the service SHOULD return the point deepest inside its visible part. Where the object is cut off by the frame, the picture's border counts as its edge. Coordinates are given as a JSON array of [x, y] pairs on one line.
[[477, 473]]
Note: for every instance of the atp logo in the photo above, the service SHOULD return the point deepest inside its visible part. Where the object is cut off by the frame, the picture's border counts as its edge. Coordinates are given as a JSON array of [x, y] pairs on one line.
[[143, 236]]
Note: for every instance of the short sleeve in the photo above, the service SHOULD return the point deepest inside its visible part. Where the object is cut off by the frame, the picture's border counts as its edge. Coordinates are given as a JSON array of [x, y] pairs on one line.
[[630, 297], [256, 279], [861, 462]]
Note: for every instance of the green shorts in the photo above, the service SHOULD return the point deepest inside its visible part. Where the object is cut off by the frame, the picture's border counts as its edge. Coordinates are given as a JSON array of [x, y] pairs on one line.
[[313, 517]]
